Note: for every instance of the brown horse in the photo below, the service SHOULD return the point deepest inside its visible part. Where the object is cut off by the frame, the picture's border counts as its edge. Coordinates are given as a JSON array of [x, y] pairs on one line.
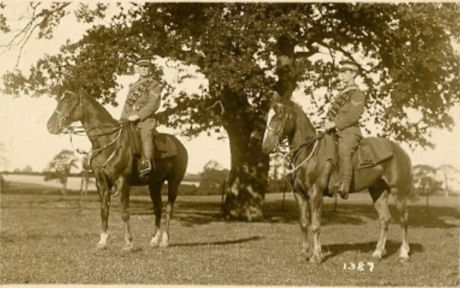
[[113, 162], [312, 173]]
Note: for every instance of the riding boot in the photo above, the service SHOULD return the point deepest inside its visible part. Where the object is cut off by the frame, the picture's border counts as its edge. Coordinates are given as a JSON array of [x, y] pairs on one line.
[[146, 164], [346, 174]]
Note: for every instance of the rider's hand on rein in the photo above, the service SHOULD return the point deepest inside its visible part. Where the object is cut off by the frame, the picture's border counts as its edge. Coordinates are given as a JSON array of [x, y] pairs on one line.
[[133, 118]]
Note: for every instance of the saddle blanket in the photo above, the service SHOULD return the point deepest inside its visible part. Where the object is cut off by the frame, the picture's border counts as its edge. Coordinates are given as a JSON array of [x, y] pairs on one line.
[[164, 147], [371, 151], [162, 143]]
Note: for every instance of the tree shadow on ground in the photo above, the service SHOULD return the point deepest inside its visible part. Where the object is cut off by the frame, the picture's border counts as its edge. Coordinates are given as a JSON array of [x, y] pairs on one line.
[[357, 214], [218, 243], [200, 211], [392, 247], [191, 213], [188, 213]]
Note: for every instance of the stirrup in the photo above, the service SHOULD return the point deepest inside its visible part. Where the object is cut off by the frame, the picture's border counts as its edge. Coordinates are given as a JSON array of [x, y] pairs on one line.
[[145, 170], [343, 190]]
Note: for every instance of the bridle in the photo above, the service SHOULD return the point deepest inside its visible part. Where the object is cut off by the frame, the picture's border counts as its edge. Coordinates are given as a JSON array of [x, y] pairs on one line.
[[293, 151], [79, 131]]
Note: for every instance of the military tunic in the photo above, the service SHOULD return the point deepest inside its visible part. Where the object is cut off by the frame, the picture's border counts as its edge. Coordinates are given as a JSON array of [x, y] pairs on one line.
[[345, 112], [143, 100]]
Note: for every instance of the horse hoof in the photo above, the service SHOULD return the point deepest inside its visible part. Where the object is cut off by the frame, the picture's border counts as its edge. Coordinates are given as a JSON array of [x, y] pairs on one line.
[[379, 254], [304, 252], [315, 259], [155, 240], [100, 246], [163, 245], [127, 248], [404, 260], [164, 241]]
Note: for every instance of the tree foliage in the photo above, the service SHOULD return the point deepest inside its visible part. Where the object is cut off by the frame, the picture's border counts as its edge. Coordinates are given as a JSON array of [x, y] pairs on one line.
[[212, 178], [450, 176], [404, 51], [425, 182], [248, 50], [60, 166]]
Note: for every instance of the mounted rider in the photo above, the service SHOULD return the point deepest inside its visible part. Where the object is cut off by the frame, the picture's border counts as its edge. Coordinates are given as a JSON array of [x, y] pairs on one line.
[[142, 101], [343, 118]]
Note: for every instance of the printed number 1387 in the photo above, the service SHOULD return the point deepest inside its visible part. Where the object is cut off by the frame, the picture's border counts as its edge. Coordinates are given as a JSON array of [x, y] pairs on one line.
[[361, 266]]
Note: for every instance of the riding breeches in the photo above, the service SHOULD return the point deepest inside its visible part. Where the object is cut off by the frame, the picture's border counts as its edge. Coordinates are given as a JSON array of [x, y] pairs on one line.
[[147, 128], [348, 143]]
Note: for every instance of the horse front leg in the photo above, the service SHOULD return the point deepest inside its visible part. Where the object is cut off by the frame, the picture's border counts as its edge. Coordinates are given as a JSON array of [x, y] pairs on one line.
[[104, 197], [304, 220], [123, 190], [316, 203]]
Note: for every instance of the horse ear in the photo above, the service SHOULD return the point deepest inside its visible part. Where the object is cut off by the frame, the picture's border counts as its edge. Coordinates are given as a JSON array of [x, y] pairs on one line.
[[278, 107], [68, 93]]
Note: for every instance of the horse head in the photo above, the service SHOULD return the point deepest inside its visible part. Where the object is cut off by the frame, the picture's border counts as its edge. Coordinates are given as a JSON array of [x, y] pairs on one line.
[[69, 109], [280, 124]]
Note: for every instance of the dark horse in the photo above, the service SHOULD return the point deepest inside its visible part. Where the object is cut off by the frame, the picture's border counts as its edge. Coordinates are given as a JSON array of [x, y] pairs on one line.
[[113, 162], [393, 176]]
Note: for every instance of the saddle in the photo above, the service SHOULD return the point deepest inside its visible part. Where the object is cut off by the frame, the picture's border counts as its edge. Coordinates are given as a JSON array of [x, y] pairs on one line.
[[162, 143], [371, 152]]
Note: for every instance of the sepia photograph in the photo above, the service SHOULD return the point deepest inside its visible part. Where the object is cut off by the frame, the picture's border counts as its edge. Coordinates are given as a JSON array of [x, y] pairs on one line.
[[230, 143]]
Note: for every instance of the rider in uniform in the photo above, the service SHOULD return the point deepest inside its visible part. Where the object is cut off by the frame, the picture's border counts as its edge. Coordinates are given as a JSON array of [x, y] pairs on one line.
[[343, 118], [142, 102]]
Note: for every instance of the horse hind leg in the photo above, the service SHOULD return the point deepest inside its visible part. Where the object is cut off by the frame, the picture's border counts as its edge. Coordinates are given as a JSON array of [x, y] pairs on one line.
[[155, 195], [173, 187], [380, 197], [123, 190], [401, 206]]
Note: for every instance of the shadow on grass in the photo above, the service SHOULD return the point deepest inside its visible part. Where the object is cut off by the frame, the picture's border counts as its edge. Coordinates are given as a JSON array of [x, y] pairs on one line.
[[391, 247], [202, 210], [223, 242], [357, 214]]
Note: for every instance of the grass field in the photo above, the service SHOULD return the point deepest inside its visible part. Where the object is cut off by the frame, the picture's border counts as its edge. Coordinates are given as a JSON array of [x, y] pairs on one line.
[[48, 238]]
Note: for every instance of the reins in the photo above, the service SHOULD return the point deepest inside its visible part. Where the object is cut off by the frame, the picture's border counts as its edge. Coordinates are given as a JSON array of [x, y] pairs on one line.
[[93, 153], [295, 168], [304, 145]]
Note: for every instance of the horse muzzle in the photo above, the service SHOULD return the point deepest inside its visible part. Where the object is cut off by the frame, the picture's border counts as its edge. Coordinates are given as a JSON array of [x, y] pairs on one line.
[[54, 125]]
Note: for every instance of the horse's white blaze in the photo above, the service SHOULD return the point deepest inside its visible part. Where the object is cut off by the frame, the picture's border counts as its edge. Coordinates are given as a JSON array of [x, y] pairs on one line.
[[271, 113]]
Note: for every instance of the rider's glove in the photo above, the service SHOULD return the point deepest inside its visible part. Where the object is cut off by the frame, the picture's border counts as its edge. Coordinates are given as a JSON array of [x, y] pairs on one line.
[[133, 118], [329, 126]]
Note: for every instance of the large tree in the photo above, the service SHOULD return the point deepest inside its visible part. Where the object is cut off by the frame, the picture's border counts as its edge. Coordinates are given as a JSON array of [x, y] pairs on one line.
[[247, 51]]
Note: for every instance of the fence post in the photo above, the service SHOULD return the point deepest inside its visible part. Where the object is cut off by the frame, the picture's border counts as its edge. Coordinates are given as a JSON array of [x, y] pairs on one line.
[[224, 187], [335, 202], [284, 196]]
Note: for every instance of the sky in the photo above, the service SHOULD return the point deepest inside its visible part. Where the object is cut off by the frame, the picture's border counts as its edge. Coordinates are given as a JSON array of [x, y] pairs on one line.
[[25, 140]]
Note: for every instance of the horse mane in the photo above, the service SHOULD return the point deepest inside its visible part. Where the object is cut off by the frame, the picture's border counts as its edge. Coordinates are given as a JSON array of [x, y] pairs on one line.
[[101, 110], [300, 113]]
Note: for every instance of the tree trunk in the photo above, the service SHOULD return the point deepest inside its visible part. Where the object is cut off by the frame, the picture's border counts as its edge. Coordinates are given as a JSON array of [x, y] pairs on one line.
[[427, 201], [64, 187], [446, 192], [245, 191]]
